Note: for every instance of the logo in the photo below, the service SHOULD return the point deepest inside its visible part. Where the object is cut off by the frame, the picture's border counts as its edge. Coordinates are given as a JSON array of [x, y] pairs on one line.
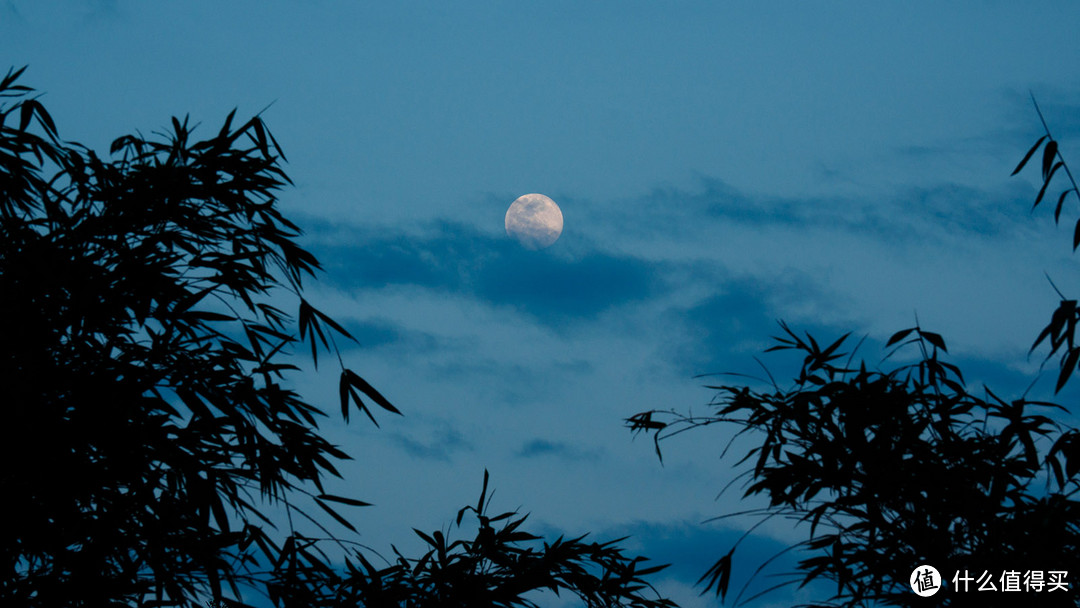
[[925, 581]]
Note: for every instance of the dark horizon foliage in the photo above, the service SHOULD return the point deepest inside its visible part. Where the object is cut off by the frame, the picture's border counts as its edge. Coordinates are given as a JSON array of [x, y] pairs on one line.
[[503, 566], [151, 439], [903, 466]]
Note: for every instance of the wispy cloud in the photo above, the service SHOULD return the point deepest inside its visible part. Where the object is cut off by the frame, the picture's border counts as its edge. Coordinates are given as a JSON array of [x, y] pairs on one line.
[[381, 333], [455, 258], [437, 446], [544, 448]]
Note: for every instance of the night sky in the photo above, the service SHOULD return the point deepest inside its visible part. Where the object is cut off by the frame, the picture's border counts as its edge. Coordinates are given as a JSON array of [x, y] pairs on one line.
[[842, 166]]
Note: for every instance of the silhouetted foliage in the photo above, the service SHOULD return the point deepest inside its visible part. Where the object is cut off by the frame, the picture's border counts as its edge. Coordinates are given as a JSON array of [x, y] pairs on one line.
[[502, 566], [149, 440], [1061, 330], [900, 467], [142, 358]]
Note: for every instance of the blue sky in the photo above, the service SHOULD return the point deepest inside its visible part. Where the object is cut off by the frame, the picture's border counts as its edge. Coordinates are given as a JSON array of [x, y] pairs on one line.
[[841, 165]]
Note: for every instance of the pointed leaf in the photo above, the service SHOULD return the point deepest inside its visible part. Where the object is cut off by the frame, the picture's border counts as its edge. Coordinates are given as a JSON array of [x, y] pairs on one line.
[[827, 353], [343, 392], [341, 520], [1049, 152], [370, 391], [345, 501], [361, 406], [934, 339], [26, 112], [719, 575], [1061, 201], [332, 323], [260, 136], [45, 120], [1028, 155], [1068, 364], [206, 315], [898, 336], [483, 494], [11, 77], [1046, 184], [228, 124]]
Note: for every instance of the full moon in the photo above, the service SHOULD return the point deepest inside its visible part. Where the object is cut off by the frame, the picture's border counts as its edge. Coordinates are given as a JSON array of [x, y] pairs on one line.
[[534, 220]]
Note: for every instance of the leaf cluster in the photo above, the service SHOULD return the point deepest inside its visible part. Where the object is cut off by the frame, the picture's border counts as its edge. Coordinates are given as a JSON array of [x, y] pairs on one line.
[[896, 468], [146, 423], [1060, 331], [502, 566], [893, 469]]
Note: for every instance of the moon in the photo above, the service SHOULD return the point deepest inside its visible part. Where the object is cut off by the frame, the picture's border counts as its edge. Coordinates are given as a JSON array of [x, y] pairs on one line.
[[534, 220]]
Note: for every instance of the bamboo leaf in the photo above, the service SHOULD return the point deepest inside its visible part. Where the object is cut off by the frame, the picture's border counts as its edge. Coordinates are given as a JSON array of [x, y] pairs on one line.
[[26, 112], [332, 323], [1068, 364], [341, 520], [934, 339], [1049, 152], [345, 501], [367, 389], [483, 494], [1061, 201], [898, 336], [1046, 184], [1028, 155], [719, 575], [343, 392]]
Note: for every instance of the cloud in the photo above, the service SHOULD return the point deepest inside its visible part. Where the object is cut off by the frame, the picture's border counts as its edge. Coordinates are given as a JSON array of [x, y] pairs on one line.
[[581, 287], [724, 329], [540, 448], [950, 212], [703, 273], [378, 258], [711, 215], [439, 446], [455, 258], [379, 333], [726, 324]]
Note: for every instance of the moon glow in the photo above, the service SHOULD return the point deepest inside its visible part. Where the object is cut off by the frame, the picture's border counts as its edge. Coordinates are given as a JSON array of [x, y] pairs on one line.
[[534, 220]]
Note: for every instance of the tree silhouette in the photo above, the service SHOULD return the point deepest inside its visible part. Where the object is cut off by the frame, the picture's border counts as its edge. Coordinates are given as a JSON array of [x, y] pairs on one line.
[[899, 467], [149, 438]]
